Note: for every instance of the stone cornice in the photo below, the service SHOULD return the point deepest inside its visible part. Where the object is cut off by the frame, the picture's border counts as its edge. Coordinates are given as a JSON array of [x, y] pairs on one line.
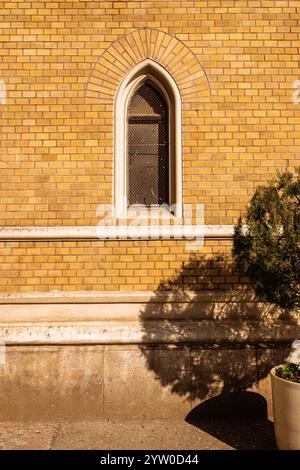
[[188, 232]]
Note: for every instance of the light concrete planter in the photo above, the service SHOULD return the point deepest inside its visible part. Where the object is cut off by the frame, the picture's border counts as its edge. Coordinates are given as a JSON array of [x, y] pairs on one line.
[[286, 408]]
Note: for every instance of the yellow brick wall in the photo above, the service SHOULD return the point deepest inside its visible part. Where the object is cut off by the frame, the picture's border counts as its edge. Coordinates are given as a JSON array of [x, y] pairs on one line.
[[234, 61], [114, 265]]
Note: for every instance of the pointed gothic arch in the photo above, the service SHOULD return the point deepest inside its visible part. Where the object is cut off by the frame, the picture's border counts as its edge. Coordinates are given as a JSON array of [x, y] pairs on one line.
[[147, 71]]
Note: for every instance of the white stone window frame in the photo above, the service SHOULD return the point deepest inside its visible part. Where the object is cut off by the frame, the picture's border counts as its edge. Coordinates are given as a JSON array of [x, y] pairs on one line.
[[147, 70]]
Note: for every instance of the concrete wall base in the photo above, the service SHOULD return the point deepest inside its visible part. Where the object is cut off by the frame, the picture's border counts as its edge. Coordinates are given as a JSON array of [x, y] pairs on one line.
[[134, 358], [49, 383]]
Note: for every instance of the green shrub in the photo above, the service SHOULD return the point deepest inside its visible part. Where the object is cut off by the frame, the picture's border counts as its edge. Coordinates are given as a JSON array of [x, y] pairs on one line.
[[268, 252], [289, 372]]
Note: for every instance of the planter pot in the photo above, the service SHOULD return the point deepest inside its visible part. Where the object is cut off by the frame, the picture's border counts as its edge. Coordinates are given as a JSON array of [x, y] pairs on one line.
[[286, 409]]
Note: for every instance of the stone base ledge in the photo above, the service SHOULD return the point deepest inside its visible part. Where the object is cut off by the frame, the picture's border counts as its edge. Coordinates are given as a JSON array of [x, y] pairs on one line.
[[150, 332], [102, 297], [142, 318]]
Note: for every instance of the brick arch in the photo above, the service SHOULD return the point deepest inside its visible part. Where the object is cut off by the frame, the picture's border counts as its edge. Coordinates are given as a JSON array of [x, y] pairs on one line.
[[168, 51]]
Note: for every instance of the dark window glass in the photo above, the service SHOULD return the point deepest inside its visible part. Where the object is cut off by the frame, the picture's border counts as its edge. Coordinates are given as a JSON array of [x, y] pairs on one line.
[[148, 159]]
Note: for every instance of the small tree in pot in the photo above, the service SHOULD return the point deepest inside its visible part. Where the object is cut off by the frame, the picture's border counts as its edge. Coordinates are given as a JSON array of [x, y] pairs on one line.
[[267, 251]]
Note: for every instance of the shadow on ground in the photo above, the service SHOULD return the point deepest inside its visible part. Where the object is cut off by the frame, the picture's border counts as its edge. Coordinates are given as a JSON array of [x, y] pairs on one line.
[[238, 419]]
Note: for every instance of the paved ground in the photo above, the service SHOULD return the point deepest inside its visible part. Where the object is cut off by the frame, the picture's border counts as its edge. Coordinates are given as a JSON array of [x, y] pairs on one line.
[[156, 436]]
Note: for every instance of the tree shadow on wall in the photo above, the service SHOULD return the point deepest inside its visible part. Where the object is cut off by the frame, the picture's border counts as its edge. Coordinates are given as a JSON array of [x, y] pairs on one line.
[[207, 341]]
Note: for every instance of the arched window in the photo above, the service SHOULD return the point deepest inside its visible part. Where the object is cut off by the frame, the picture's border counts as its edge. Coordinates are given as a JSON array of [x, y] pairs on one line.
[[147, 147], [147, 139]]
